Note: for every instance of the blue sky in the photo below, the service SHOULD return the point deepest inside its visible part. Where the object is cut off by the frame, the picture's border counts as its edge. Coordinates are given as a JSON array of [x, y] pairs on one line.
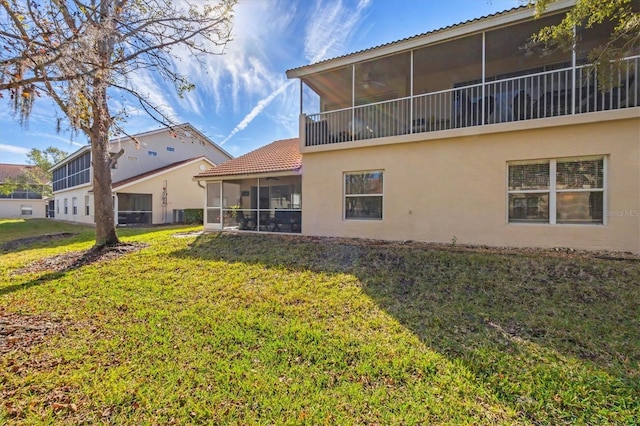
[[243, 99]]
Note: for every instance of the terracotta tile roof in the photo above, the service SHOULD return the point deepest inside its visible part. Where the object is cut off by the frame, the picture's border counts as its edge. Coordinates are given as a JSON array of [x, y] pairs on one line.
[[12, 170], [123, 182], [279, 156]]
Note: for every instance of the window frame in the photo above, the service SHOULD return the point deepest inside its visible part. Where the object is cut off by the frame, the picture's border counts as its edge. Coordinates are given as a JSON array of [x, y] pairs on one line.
[[345, 196], [553, 190]]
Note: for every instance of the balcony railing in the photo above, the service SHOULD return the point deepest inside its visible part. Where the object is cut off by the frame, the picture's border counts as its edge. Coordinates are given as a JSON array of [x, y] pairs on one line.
[[538, 95]]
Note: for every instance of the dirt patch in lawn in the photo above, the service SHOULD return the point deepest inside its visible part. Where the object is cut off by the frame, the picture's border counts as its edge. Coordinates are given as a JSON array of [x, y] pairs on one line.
[[19, 332], [564, 252], [14, 244], [76, 259]]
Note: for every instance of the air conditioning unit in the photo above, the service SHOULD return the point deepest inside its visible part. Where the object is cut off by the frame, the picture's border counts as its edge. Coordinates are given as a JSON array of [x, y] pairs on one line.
[[178, 216]]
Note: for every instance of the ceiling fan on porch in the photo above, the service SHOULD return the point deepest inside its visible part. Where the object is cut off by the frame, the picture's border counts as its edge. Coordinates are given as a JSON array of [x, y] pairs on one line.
[[370, 82]]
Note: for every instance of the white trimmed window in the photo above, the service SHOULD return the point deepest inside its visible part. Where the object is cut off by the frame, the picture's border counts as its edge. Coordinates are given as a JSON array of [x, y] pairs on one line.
[[86, 205], [66, 206], [74, 206], [557, 191], [363, 195], [26, 210]]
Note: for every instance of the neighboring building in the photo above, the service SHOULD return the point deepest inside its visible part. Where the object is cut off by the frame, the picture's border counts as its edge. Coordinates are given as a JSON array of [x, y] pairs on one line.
[[258, 191], [151, 181], [471, 134], [22, 202]]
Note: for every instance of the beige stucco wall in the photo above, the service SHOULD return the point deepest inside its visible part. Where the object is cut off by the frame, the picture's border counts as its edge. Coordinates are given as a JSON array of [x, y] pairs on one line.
[[456, 188], [12, 209], [80, 193], [182, 191]]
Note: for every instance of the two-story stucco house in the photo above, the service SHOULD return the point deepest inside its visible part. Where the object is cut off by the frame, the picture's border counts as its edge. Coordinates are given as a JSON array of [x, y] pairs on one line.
[[151, 181], [471, 134]]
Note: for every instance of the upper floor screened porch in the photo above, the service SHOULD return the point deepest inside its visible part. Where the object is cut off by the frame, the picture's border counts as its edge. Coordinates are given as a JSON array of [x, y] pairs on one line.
[[461, 77]]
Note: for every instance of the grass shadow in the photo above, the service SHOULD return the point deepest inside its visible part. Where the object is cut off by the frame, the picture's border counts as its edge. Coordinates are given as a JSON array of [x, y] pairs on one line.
[[542, 330], [49, 276]]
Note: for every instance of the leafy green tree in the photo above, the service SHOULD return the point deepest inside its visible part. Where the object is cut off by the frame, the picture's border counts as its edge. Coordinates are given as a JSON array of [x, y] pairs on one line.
[[38, 177], [586, 14], [80, 53]]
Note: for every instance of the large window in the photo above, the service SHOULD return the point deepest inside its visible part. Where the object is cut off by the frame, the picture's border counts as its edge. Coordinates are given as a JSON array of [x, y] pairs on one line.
[[363, 195], [569, 190]]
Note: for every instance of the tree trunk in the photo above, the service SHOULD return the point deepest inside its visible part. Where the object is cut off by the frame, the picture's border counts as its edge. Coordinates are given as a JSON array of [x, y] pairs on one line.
[[103, 201]]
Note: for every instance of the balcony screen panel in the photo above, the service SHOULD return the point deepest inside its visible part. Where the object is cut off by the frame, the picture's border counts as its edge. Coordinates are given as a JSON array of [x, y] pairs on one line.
[[529, 177], [509, 50], [230, 195], [79, 170], [310, 100], [599, 35], [134, 202], [383, 79], [333, 87], [436, 68], [60, 178], [580, 174], [213, 194]]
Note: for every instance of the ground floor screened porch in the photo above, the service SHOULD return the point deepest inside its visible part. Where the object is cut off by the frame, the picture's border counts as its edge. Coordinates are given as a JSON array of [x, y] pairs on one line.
[[267, 204]]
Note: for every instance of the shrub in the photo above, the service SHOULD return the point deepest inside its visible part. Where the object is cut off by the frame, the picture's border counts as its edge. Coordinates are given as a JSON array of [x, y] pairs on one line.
[[193, 216]]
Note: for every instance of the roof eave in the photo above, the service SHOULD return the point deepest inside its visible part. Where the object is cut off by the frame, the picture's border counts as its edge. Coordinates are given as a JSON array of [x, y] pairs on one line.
[[116, 187], [71, 156], [436, 36], [292, 172]]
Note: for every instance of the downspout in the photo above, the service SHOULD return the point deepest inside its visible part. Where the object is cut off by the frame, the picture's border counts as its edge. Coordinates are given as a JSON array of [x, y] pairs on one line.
[[411, 73], [302, 120], [573, 73], [353, 101], [484, 59], [115, 208]]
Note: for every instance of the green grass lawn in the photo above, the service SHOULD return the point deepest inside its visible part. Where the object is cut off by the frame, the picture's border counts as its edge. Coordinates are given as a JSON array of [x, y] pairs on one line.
[[258, 329]]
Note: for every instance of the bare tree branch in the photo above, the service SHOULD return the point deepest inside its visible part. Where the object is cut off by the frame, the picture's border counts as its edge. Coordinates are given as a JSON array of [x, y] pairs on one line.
[[76, 52]]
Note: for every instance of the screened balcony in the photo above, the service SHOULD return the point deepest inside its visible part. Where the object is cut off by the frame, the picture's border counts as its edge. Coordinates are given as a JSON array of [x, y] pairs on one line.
[[486, 78], [272, 204]]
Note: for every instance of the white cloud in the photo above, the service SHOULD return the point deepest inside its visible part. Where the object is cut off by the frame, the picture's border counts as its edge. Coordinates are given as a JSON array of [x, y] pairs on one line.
[[153, 91], [260, 106], [331, 26], [244, 72], [13, 149]]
